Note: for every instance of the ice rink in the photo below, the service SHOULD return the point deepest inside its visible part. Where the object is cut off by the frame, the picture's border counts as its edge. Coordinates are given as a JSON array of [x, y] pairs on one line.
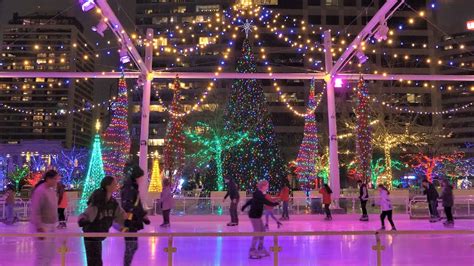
[[423, 249]]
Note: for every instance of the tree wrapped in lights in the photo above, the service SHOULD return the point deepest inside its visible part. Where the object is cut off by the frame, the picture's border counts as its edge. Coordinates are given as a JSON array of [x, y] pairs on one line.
[[18, 174], [71, 165], [214, 141], [155, 182], [322, 167], [247, 112], [116, 138], [95, 172], [173, 154], [427, 164], [378, 170], [308, 153], [363, 133]]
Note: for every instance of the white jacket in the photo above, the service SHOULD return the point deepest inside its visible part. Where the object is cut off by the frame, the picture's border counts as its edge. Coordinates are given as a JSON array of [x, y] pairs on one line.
[[384, 201]]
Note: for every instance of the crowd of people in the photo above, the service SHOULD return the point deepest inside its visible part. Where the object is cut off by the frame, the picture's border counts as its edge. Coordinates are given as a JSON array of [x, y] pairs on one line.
[[49, 202]]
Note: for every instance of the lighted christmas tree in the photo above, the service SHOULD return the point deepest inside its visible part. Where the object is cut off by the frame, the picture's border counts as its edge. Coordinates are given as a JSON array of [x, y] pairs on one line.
[[247, 112], [174, 140], [155, 182], [308, 153], [214, 141], [95, 172], [116, 138], [363, 133]]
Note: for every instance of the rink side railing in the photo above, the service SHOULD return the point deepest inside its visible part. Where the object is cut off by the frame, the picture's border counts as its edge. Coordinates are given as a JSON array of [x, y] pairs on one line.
[[170, 249], [417, 207]]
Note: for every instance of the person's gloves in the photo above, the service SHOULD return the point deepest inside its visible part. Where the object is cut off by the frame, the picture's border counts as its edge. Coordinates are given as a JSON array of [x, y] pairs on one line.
[[83, 222], [127, 223], [146, 220]]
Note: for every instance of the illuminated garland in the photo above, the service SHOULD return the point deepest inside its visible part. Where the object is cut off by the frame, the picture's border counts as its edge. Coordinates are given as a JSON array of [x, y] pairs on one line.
[[174, 140], [363, 132], [247, 111], [309, 112], [306, 160], [116, 138], [95, 174], [59, 112], [214, 142]]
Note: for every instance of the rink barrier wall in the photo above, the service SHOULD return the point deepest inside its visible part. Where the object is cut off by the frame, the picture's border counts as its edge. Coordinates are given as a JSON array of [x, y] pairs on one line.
[[275, 249]]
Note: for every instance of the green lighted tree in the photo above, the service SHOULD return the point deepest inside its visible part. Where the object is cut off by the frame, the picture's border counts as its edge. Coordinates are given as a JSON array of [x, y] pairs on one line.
[[95, 173], [213, 141], [19, 174]]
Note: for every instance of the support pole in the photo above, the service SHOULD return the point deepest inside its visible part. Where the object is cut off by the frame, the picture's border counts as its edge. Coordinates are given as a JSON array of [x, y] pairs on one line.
[[145, 120], [333, 149]]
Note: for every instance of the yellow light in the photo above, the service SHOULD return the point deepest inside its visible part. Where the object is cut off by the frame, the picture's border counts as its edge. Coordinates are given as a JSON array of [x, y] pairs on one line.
[[472, 88], [422, 13], [440, 62], [37, 47], [411, 21], [26, 62], [97, 125], [461, 46], [86, 57]]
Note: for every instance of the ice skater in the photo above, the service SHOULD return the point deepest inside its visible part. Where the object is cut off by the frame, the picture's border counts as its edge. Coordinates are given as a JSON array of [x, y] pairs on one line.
[[136, 214], [62, 205], [102, 210], [448, 202], [432, 198], [233, 192], [44, 216], [167, 202], [285, 198], [363, 197], [268, 211], [385, 206], [9, 199], [326, 192], [257, 249]]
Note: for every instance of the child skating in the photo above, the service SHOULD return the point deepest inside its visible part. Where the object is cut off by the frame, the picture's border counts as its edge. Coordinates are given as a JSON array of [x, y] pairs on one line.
[[385, 206], [257, 250]]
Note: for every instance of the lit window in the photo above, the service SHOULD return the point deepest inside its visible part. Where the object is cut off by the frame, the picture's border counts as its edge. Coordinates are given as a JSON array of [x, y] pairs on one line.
[[156, 142]]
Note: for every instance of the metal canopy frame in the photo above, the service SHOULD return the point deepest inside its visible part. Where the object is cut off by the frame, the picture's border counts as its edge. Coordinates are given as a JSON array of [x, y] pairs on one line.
[[333, 71]]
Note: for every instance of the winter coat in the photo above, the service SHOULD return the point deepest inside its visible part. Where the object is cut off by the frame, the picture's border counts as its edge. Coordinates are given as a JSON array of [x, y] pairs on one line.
[[285, 194], [132, 205], [326, 196], [232, 191], [256, 204], [166, 198], [363, 193], [447, 196], [98, 218], [431, 193], [62, 198], [269, 198], [384, 201], [44, 206]]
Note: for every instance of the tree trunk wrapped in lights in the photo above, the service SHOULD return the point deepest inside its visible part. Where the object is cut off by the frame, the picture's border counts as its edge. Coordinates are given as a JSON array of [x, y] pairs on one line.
[[247, 112], [173, 154], [363, 133], [308, 153], [116, 138]]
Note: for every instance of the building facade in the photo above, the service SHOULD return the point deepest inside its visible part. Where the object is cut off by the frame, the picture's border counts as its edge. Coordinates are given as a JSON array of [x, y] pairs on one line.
[[455, 50], [406, 51], [37, 107]]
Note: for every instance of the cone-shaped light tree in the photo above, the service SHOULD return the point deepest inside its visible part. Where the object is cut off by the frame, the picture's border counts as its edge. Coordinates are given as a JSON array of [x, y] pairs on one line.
[[155, 182], [116, 138], [247, 112], [308, 153], [173, 154], [95, 172]]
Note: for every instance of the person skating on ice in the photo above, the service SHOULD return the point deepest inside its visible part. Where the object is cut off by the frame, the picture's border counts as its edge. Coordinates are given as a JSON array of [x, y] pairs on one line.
[[256, 203], [385, 206], [233, 193], [363, 197]]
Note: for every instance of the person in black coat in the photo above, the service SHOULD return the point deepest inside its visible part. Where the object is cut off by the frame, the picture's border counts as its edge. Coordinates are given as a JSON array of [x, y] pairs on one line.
[[432, 198], [101, 212], [233, 192], [448, 201], [364, 197], [255, 214], [136, 215]]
